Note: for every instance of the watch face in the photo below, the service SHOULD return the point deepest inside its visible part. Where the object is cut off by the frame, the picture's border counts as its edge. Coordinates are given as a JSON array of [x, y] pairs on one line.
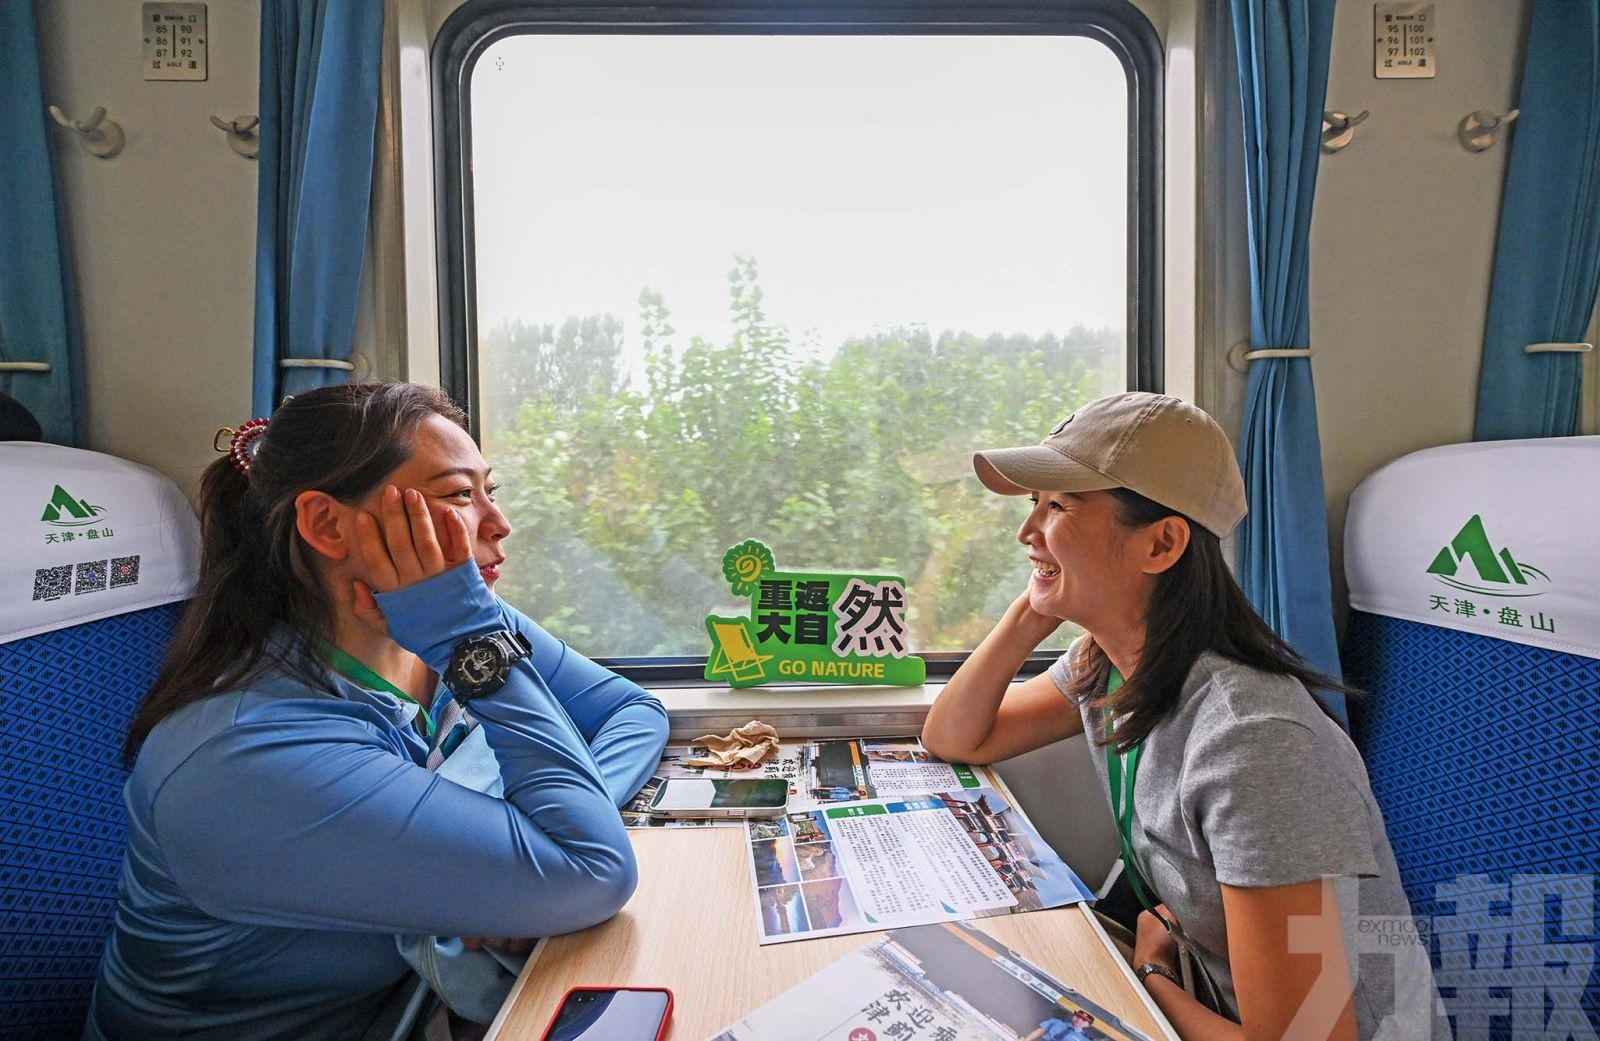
[[480, 664]]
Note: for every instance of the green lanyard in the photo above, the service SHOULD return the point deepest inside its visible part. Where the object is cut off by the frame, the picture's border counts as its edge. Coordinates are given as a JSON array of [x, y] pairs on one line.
[[1123, 770], [352, 670]]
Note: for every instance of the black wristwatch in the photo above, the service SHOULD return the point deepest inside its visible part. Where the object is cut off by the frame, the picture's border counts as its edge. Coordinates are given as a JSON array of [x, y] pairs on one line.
[[479, 666], [1151, 968]]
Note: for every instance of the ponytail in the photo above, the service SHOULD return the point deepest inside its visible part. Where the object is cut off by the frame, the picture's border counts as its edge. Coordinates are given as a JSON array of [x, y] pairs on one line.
[[223, 636]]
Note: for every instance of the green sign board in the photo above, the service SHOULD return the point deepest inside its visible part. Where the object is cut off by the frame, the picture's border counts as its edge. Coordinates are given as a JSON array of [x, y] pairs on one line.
[[810, 627]]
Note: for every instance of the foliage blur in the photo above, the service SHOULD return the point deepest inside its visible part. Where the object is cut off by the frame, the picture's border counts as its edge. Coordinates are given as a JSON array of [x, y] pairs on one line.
[[625, 491]]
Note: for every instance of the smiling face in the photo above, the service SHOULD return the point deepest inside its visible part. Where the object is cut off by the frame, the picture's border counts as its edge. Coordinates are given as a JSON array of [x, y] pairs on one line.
[[1088, 567], [447, 468]]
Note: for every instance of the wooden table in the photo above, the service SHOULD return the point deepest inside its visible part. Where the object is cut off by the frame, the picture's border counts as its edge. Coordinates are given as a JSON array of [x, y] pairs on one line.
[[691, 927]]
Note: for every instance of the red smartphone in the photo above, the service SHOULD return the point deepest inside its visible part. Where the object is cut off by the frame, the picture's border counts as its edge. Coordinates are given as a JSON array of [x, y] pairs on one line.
[[611, 1014]]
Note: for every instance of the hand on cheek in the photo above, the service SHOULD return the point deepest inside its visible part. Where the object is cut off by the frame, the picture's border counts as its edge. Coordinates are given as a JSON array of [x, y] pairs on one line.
[[401, 544], [452, 533]]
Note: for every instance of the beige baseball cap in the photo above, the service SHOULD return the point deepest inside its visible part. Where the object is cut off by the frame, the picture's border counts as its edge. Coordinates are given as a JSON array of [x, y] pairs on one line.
[[1163, 448]]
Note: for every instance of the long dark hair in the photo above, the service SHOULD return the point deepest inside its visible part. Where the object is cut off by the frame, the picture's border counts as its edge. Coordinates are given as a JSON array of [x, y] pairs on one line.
[[254, 567], [1196, 607]]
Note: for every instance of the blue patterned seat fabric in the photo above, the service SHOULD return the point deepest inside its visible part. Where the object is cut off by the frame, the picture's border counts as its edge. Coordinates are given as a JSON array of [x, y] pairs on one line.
[[1485, 758], [67, 696]]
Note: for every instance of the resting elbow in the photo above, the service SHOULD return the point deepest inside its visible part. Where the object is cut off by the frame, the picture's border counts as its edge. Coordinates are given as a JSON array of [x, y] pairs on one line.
[[948, 753], [620, 883], [659, 726], [610, 884]]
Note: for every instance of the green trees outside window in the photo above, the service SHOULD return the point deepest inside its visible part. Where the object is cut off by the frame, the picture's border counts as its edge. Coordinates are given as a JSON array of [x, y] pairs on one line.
[[625, 487]]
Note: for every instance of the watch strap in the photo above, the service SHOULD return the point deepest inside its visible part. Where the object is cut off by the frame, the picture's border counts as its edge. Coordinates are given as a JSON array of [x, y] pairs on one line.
[[1151, 968]]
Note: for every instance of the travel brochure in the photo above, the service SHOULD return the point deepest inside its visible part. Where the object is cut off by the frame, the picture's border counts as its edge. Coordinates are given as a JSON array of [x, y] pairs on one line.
[[870, 864], [946, 982], [878, 834], [818, 772]]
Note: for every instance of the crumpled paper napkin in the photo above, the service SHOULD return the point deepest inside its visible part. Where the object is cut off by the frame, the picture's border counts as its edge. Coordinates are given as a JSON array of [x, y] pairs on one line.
[[741, 749]]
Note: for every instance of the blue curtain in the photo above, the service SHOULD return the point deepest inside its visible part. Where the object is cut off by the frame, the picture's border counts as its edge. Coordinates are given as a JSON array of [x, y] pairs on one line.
[[319, 112], [38, 311], [1282, 49], [1547, 257]]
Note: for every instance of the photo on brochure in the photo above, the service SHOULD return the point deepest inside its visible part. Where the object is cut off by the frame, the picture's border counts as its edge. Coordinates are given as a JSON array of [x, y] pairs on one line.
[[949, 981], [848, 770], [881, 864]]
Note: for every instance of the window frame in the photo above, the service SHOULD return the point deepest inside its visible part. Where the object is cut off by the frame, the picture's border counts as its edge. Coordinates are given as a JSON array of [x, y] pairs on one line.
[[472, 28]]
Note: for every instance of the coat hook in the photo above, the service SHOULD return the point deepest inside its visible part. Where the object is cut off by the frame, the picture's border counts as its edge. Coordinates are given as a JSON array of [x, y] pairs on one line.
[[98, 135], [1479, 130], [1338, 129], [243, 135]]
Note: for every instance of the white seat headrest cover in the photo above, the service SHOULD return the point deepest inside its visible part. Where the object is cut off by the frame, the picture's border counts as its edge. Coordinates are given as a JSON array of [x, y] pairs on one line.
[[86, 536], [1496, 538]]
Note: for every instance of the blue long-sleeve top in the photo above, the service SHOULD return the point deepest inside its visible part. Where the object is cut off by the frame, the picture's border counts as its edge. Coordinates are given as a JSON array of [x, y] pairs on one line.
[[281, 835]]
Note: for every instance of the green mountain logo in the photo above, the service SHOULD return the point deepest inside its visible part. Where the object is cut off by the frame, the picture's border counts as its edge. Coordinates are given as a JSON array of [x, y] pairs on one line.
[[64, 511], [1497, 573]]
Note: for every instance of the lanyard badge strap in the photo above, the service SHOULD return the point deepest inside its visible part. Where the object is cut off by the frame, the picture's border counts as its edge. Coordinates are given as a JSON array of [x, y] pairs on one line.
[[1122, 778], [347, 666], [1123, 770]]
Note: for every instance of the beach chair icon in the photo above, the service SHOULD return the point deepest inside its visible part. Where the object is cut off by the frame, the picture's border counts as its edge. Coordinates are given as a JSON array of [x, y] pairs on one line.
[[734, 654]]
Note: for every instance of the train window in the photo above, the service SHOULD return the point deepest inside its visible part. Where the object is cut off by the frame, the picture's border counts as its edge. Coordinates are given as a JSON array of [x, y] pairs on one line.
[[707, 281]]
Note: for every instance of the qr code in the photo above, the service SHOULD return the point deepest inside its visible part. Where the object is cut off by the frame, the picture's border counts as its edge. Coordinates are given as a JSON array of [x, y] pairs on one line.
[[90, 578], [52, 583], [124, 572]]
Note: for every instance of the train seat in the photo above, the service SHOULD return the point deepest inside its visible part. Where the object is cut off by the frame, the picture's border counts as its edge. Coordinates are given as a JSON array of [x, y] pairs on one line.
[[97, 556], [1475, 632]]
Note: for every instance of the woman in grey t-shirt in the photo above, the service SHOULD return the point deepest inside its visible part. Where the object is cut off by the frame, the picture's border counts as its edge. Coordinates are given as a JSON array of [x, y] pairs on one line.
[[1248, 826]]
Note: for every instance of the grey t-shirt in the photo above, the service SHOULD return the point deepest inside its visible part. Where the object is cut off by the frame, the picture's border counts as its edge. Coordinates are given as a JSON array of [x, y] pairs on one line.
[[1247, 783]]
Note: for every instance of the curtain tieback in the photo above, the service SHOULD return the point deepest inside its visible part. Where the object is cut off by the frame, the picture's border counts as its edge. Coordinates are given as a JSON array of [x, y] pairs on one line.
[[1240, 355], [1558, 348], [24, 366], [316, 363], [357, 366]]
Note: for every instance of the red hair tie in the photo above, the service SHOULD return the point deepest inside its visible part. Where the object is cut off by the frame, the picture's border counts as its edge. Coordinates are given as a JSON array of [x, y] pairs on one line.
[[240, 443]]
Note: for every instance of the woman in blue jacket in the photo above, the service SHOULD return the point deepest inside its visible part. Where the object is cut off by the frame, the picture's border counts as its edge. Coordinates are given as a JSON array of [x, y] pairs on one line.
[[284, 823]]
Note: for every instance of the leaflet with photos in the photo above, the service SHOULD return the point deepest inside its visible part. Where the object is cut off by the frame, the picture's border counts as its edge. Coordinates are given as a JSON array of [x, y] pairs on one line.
[[874, 864], [948, 982], [818, 772]]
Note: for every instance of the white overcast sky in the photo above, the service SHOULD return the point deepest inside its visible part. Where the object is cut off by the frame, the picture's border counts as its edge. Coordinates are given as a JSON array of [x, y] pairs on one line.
[[973, 183]]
